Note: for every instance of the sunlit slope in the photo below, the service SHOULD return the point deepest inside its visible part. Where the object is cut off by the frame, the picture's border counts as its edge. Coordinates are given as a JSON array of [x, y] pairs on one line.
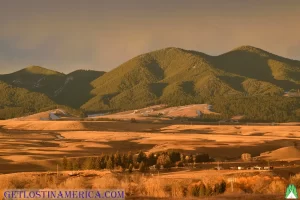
[[177, 76]]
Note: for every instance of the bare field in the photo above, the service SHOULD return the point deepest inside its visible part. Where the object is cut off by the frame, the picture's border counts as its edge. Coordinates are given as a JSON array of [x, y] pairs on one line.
[[34, 145], [30, 150]]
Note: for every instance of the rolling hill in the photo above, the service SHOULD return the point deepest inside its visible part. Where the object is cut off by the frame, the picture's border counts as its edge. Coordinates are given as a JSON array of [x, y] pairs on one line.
[[245, 81], [15, 102], [72, 89], [177, 76]]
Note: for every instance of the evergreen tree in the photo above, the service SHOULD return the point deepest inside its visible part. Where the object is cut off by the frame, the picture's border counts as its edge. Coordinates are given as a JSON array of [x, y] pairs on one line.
[[222, 187], [117, 159], [109, 164], [89, 163], [151, 159], [70, 164], [98, 163], [130, 158], [76, 164], [124, 161], [141, 157], [65, 163], [142, 167], [174, 156]]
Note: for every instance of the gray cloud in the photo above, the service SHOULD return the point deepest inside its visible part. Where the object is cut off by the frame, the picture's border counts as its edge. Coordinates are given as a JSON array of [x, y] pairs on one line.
[[294, 51], [100, 35]]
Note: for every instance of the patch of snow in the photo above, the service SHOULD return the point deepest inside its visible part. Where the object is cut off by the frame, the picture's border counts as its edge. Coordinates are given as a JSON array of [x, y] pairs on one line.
[[59, 90], [17, 81], [52, 116], [38, 83]]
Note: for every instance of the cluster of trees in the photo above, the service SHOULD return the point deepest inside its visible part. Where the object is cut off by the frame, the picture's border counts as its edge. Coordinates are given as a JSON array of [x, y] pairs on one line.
[[131, 161], [260, 108], [200, 189]]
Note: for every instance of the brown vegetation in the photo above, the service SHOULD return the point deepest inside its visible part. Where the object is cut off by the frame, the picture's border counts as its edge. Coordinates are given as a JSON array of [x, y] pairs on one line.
[[145, 186]]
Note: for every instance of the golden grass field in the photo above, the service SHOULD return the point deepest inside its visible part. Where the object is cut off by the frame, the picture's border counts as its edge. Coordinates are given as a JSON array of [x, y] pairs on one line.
[[29, 145], [36, 147]]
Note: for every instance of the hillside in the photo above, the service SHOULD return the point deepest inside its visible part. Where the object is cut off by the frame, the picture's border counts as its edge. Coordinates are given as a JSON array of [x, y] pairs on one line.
[[15, 102], [72, 89], [246, 81], [286, 153], [177, 77]]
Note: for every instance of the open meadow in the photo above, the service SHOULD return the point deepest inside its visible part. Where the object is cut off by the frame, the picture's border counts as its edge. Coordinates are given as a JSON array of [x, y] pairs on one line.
[[36, 149]]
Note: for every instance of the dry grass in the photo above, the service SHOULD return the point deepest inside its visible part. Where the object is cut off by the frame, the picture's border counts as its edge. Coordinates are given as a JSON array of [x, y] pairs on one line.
[[262, 184], [138, 185], [49, 140]]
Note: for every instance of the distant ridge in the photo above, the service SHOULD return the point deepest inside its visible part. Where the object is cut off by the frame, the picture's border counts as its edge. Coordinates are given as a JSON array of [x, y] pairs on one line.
[[174, 76], [40, 70]]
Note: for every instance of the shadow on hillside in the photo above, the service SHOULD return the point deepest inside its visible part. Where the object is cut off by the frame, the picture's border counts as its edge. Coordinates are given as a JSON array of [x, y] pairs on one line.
[[72, 90], [237, 150], [250, 65], [234, 81], [22, 167], [157, 88]]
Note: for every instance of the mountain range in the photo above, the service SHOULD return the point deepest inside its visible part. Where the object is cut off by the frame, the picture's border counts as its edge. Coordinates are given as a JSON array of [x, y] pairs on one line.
[[172, 75]]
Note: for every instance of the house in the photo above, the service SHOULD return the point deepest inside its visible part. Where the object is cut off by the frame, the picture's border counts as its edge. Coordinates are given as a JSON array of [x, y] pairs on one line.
[[257, 168], [269, 168], [240, 168]]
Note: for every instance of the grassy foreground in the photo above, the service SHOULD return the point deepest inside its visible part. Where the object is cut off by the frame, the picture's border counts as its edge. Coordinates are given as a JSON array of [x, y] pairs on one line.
[[139, 186]]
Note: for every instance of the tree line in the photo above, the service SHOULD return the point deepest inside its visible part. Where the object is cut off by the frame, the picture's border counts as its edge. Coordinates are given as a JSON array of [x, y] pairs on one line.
[[129, 161]]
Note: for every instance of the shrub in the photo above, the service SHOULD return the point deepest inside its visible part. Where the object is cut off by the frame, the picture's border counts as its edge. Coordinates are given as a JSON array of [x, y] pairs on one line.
[[142, 167], [194, 190], [202, 190], [133, 120], [65, 163], [130, 168], [73, 183], [107, 181], [179, 164], [164, 160]]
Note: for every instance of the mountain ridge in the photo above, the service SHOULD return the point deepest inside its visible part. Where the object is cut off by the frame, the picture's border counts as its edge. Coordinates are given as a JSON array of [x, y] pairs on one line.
[[173, 76]]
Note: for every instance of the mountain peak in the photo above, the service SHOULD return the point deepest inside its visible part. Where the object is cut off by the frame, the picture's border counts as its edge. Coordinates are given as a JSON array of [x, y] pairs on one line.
[[41, 70], [252, 49]]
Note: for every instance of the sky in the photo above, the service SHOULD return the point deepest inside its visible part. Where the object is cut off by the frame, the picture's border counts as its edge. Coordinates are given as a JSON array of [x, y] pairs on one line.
[[102, 34]]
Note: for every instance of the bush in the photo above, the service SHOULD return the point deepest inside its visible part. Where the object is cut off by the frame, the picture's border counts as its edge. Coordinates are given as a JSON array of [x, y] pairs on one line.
[[142, 167], [130, 168], [194, 190], [179, 164], [133, 120], [65, 163], [164, 160]]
